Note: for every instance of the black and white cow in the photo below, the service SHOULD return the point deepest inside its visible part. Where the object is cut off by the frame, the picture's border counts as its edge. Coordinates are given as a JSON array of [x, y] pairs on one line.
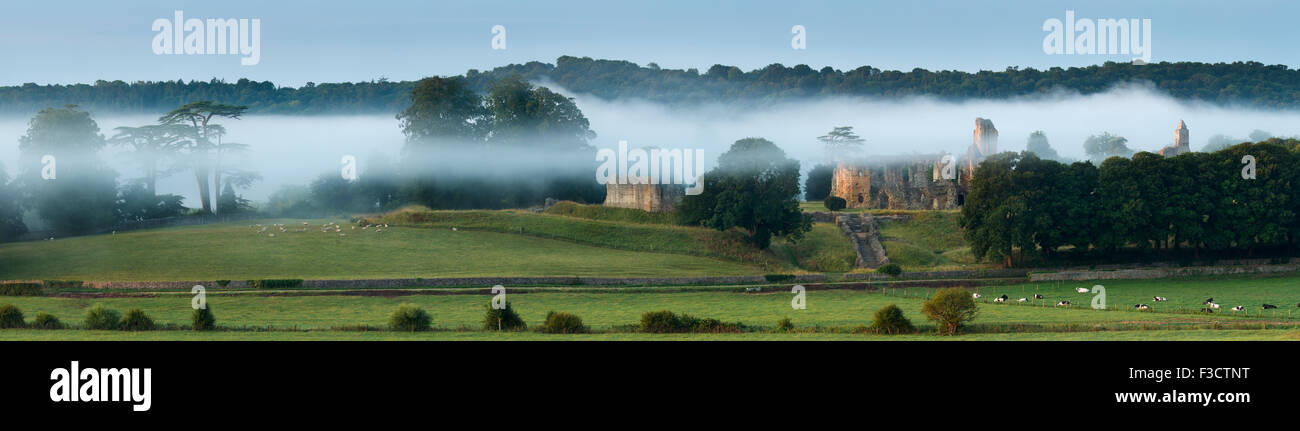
[[1268, 306], [1063, 304], [1141, 307], [1159, 298]]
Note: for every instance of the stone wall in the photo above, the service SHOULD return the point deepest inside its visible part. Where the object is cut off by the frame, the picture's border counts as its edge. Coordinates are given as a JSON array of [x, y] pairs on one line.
[[645, 197], [1149, 273]]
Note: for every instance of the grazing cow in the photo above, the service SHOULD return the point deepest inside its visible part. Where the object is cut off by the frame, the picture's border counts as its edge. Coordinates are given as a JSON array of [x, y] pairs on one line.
[[1268, 306], [1081, 289], [1002, 298], [977, 296], [1214, 305], [1209, 301], [1037, 296], [1238, 308], [1023, 300], [1063, 304], [1159, 299], [1141, 307]]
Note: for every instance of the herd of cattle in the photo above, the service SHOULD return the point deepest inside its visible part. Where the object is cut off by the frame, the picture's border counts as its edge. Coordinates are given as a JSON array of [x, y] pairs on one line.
[[1209, 303]]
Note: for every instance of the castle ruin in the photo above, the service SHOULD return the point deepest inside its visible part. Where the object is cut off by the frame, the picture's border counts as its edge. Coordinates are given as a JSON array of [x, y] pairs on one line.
[[916, 182], [1182, 144], [645, 197]]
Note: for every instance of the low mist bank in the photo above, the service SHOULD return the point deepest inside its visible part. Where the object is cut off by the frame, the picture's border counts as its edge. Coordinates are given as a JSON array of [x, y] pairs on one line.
[[294, 150]]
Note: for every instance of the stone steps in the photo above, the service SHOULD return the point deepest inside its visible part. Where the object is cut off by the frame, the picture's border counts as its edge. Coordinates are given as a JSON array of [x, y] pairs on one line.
[[863, 232]]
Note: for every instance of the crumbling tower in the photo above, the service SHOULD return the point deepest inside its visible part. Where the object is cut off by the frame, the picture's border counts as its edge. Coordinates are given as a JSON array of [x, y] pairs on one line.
[[1182, 144]]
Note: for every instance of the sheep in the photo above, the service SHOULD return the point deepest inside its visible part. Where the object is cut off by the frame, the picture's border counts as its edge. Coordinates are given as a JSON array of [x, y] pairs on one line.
[[1063, 304], [1159, 299], [1268, 306], [1081, 289], [976, 295]]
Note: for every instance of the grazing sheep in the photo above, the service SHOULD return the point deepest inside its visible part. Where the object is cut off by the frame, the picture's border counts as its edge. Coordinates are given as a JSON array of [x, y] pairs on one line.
[[1159, 299], [1268, 306], [1063, 304], [1081, 289]]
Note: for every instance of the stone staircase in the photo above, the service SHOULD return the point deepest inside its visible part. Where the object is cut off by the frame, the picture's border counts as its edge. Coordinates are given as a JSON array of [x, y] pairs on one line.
[[865, 235]]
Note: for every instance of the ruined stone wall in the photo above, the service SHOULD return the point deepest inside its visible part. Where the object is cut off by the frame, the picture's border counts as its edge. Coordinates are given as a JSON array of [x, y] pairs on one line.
[[645, 197], [904, 185]]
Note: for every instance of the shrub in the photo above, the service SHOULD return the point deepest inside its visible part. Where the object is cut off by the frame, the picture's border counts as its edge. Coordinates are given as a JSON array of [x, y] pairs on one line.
[[563, 323], [203, 319], [223, 283], [890, 320], [20, 289], [275, 283], [785, 325], [136, 320], [835, 203], [408, 317], [951, 307], [11, 317], [504, 319], [892, 269], [101, 317], [46, 321], [778, 278], [63, 284], [660, 322]]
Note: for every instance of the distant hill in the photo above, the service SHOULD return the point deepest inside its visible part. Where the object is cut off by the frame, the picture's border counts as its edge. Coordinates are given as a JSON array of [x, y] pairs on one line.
[[1246, 83]]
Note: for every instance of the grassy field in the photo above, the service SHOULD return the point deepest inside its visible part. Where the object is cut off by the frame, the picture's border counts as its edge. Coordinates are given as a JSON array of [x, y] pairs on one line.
[[830, 314], [1172, 335], [236, 252], [824, 249], [928, 241]]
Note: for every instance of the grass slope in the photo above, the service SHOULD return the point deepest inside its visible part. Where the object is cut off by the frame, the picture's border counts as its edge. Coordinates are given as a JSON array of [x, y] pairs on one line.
[[234, 251]]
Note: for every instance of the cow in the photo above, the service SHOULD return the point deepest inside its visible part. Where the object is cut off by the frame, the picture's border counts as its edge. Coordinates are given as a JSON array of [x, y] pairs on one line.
[[1063, 304], [1159, 298], [1141, 307], [1081, 289], [1268, 306]]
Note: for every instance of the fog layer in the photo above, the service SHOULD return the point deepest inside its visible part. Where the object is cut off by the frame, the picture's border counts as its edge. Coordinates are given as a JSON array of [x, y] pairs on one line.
[[295, 150]]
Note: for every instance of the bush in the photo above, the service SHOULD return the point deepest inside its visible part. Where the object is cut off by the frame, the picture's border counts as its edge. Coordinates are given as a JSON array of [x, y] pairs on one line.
[[63, 284], [785, 325], [11, 317], [778, 278], [951, 307], [101, 317], [136, 320], [660, 322], [408, 317], [275, 283], [20, 289], [46, 321], [891, 269], [223, 283], [835, 203], [563, 323], [504, 319], [663, 322], [203, 319], [890, 320]]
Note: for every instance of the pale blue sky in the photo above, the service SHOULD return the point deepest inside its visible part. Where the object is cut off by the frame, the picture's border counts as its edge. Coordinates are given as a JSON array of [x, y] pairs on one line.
[[325, 41]]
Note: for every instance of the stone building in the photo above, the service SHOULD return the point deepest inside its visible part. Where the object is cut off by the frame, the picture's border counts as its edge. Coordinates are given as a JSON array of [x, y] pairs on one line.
[[1182, 144], [913, 182], [646, 197]]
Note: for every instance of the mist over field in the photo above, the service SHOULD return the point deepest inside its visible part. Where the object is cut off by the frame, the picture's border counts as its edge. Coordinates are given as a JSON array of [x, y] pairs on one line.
[[294, 150]]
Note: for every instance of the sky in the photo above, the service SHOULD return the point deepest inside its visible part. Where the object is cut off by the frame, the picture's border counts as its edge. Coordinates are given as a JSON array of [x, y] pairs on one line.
[[64, 42]]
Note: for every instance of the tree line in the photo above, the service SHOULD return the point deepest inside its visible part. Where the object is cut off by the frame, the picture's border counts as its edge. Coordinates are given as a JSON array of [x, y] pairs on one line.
[[1238, 201], [1270, 86]]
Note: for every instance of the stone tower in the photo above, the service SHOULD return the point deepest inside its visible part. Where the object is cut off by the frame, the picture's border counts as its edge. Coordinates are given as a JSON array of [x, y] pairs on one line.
[[1182, 144], [985, 144]]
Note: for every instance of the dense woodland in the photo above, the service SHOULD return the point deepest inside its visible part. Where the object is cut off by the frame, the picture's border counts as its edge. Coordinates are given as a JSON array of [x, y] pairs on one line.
[[1021, 209], [1252, 83]]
